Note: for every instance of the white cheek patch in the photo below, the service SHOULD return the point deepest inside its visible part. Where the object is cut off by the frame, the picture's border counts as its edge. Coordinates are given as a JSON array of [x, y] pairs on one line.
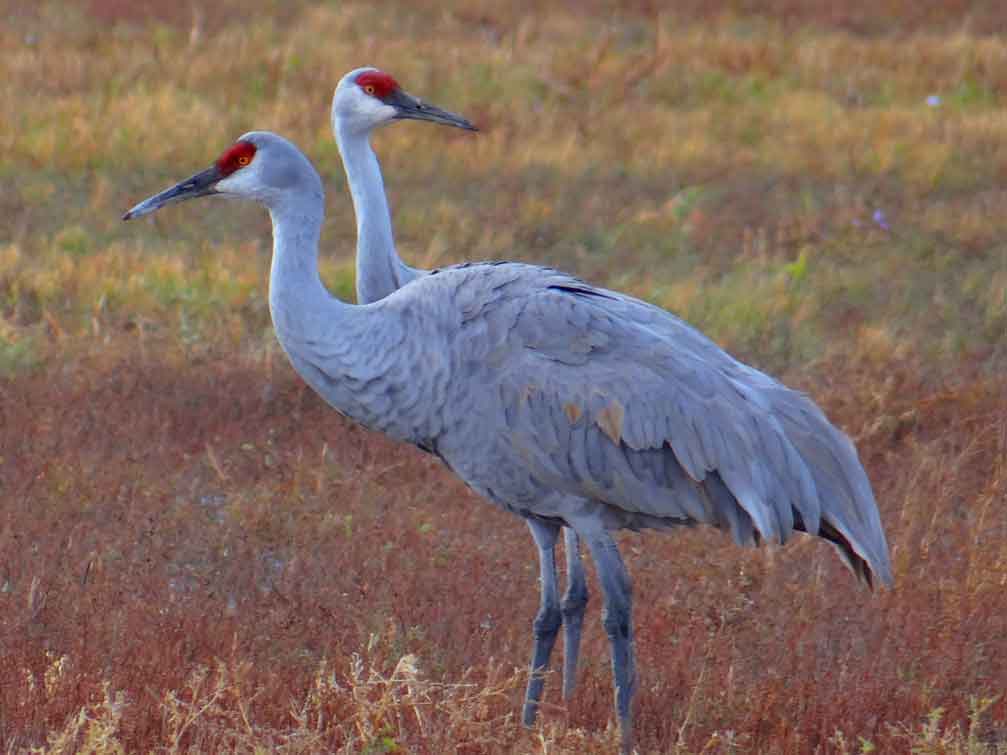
[[377, 109], [355, 111], [374, 110], [236, 184]]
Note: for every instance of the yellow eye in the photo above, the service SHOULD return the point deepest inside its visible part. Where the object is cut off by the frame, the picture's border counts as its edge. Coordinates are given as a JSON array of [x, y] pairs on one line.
[[369, 89], [243, 161]]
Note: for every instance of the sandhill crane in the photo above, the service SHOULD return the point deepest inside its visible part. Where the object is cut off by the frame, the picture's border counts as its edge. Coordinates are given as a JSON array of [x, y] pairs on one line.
[[566, 404], [380, 271], [364, 99]]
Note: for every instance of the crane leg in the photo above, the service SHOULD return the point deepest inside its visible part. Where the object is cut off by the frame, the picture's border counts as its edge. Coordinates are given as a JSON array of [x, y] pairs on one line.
[[618, 622], [573, 606], [545, 628]]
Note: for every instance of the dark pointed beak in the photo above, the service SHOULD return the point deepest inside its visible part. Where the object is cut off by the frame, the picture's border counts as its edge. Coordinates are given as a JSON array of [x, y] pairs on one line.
[[198, 185], [412, 108]]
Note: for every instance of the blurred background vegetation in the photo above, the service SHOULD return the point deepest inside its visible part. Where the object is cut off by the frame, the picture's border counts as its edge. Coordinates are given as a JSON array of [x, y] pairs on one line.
[[799, 180]]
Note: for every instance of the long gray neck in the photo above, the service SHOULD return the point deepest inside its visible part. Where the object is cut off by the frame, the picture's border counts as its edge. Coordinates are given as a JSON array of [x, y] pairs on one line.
[[298, 300], [353, 356], [379, 268]]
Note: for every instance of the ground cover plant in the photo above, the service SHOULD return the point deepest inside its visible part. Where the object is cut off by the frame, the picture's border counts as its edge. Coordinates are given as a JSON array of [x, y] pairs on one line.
[[196, 555]]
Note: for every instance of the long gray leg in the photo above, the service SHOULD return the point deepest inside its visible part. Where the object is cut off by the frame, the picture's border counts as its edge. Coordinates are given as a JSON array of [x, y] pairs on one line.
[[618, 622], [573, 606], [546, 625]]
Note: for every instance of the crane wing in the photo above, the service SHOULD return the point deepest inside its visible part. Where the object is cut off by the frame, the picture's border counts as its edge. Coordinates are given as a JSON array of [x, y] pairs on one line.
[[613, 399]]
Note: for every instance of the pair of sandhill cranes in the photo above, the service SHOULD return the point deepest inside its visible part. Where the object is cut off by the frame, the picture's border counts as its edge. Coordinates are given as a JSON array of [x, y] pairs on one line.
[[577, 408]]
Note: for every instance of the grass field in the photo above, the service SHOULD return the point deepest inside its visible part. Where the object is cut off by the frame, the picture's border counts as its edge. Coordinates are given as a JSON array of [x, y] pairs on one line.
[[196, 555]]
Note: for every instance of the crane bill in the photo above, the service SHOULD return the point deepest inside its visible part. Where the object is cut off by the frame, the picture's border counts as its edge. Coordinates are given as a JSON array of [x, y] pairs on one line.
[[408, 107], [199, 185]]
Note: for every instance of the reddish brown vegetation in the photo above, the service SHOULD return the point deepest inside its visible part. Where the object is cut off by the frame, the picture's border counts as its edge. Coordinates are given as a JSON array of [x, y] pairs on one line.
[[166, 513]]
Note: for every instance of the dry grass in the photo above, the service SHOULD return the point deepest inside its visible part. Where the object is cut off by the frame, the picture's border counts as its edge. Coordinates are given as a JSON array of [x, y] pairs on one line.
[[197, 556]]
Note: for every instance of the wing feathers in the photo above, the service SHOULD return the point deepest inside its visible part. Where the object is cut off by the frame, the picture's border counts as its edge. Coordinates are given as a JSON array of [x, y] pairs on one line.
[[651, 417]]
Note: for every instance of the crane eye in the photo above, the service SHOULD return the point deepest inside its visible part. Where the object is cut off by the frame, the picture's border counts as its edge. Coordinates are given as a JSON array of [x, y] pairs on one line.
[[369, 88], [244, 160]]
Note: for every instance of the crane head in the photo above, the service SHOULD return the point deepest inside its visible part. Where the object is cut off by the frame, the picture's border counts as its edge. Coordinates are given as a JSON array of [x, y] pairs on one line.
[[260, 165], [367, 98]]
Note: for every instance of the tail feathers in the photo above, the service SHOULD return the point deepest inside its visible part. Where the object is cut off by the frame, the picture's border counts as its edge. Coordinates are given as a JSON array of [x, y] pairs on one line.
[[854, 561], [730, 516], [849, 513]]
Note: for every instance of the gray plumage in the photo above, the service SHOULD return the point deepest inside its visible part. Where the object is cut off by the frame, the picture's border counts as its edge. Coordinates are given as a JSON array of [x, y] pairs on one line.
[[380, 271], [534, 383], [564, 403], [355, 114]]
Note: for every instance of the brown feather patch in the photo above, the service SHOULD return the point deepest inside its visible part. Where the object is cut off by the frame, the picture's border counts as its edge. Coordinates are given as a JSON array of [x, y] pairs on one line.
[[610, 420], [573, 412]]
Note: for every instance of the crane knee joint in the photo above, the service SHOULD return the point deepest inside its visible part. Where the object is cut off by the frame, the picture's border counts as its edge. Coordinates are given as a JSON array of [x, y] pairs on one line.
[[547, 623], [617, 624], [574, 604]]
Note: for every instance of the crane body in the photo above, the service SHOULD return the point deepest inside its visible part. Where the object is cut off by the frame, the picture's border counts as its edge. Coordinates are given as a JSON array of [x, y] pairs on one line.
[[564, 403], [380, 271]]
